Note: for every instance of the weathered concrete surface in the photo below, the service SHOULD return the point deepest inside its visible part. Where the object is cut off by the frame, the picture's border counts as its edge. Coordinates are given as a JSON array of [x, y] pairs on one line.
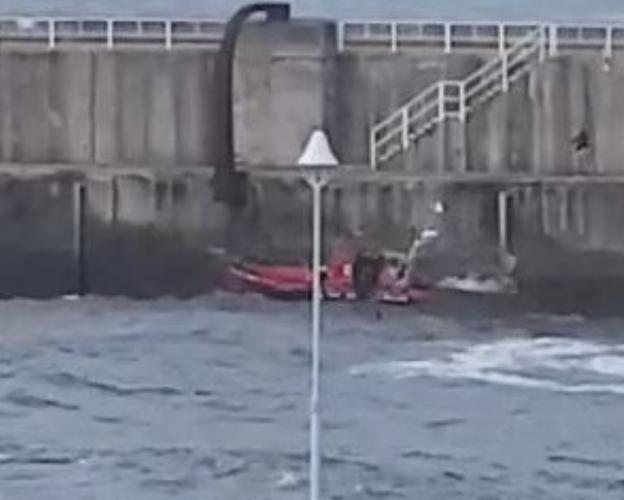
[[153, 107], [149, 231], [369, 86], [150, 110], [106, 107], [283, 86], [531, 128], [144, 235]]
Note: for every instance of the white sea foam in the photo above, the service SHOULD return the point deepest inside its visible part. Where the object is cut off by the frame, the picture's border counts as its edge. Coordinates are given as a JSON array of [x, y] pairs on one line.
[[550, 364]]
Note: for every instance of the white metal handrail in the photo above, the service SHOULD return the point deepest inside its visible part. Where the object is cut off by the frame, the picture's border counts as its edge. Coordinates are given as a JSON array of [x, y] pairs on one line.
[[444, 99], [496, 75], [396, 129], [394, 34], [452, 99], [414, 101], [449, 34], [111, 31]]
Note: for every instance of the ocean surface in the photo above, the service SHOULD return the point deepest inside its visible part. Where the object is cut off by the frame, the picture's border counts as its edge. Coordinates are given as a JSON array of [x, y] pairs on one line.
[[578, 10], [207, 399]]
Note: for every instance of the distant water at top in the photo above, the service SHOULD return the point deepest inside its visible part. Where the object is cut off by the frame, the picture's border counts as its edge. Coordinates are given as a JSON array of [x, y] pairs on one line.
[[555, 10]]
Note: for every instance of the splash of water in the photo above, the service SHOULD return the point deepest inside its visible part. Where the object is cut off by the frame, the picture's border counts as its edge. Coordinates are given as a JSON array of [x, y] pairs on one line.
[[545, 363]]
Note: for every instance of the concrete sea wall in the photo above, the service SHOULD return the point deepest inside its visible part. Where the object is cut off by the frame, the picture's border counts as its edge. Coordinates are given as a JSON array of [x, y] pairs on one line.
[[151, 232], [135, 125], [143, 106], [105, 108]]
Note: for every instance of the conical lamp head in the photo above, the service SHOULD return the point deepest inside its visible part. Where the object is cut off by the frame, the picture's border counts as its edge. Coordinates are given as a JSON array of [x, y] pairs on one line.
[[318, 152]]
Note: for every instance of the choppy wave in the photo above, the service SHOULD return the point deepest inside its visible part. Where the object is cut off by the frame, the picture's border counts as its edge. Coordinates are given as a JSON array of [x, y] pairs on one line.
[[109, 398], [555, 364], [69, 380]]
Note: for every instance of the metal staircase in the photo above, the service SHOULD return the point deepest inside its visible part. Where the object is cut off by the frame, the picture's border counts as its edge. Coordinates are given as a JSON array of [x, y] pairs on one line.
[[453, 99]]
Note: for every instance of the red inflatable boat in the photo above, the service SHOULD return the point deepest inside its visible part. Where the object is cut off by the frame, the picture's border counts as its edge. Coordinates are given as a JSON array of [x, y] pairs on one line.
[[386, 283]]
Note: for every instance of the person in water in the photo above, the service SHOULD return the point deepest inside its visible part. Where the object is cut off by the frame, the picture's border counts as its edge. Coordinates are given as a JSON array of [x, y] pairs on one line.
[[582, 151], [353, 262]]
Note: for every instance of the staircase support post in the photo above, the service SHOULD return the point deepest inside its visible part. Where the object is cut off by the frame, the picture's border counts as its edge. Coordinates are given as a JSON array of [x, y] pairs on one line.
[[462, 102], [372, 149], [442, 125], [505, 72], [441, 101], [405, 128]]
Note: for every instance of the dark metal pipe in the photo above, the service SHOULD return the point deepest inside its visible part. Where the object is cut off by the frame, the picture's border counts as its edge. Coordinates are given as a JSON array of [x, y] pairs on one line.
[[230, 185]]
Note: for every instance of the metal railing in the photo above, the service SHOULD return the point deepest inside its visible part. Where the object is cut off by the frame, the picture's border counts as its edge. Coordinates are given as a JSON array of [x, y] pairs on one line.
[[452, 99], [416, 118], [352, 34], [399, 35], [498, 74], [111, 32]]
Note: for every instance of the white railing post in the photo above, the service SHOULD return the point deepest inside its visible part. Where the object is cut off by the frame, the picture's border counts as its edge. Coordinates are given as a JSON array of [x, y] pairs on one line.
[[405, 127], [110, 34], [367, 31], [608, 49], [441, 101], [168, 35], [553, 41], [51, 34], [394, 37], [341, 35], [542, 43], [502, 46], [372, 149], [447, 38]]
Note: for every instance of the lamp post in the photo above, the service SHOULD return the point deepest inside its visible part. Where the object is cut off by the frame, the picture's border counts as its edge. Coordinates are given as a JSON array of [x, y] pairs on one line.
[[317, 162]]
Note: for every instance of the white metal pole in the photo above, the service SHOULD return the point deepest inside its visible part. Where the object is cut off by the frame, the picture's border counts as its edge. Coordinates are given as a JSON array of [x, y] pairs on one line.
[[317, 183], [503, 231]]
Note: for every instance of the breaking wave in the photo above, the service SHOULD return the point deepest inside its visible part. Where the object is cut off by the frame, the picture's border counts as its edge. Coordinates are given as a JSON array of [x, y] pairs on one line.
[[555, 364]]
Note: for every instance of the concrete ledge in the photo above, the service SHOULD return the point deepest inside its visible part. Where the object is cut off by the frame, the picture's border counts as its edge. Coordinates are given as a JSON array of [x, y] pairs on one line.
[[346, 174]]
